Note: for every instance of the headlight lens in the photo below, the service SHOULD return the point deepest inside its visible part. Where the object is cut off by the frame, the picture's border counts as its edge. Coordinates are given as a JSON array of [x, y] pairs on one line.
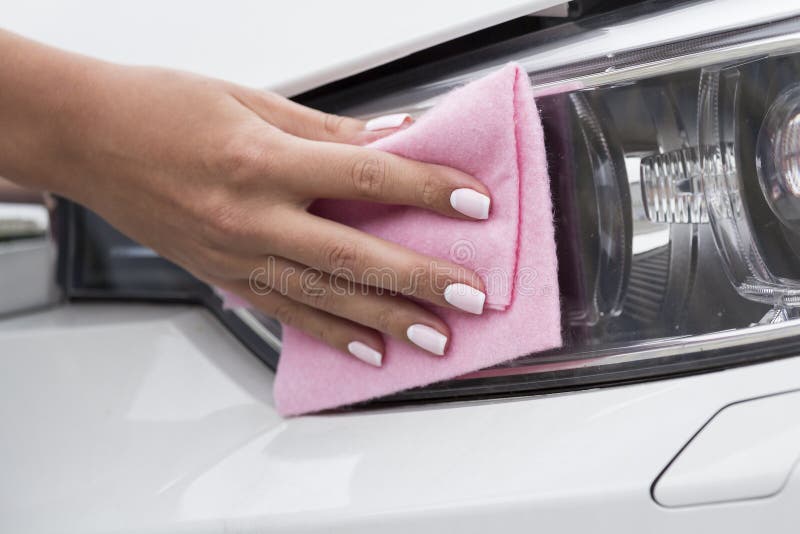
[[676, 182], [675, 174], [778, 157]]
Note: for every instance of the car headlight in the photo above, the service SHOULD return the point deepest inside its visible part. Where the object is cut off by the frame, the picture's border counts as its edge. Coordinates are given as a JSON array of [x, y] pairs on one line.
[[676, 182]]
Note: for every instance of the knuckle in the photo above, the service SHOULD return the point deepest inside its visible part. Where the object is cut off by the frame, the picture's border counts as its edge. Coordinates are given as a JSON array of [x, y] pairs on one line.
[[419, 282], [332, 124], [429, 190], [369, 177], [269, 98], [244, 158], [323, 334], [288, 314], [314, 293], [222, 219], [386, 319], [342, 257], [227, 223], [318, 298]]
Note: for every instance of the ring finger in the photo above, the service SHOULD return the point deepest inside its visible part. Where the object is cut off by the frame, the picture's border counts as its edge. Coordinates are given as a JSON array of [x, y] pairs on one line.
[[375, 308]]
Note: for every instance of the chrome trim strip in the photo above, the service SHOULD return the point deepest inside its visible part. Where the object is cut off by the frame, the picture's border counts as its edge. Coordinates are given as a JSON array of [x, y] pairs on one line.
[[762, 48], [261, 330], [648, 350]]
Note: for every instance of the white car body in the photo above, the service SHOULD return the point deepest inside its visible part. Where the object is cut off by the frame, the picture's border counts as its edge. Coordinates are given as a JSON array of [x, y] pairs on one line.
[[154, 418]]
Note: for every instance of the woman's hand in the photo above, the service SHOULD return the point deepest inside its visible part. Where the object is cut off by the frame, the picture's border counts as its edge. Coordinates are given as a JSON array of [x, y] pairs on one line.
[[218, 179]]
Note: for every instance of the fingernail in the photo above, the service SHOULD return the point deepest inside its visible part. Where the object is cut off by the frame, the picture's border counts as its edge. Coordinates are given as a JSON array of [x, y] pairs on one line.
[[365, 353], [465, 298], [427, 338], [470, 203], [387, 121]]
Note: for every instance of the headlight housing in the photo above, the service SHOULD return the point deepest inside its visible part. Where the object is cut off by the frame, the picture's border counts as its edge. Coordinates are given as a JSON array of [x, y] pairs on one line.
[[676, 181]]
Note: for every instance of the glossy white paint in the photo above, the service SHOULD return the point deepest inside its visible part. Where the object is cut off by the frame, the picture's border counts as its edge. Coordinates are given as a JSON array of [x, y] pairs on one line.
[[157, 420], [287, 46], [746, 451]]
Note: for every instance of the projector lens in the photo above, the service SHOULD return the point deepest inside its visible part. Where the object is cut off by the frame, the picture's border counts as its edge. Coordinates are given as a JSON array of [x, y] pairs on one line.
[[778, 157]]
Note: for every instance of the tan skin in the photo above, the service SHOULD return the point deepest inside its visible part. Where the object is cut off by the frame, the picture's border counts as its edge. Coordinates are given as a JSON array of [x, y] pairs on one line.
[[218, 178]]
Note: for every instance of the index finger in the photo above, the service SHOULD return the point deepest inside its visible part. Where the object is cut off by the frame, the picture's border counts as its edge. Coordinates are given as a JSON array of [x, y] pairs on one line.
[[331, 170]]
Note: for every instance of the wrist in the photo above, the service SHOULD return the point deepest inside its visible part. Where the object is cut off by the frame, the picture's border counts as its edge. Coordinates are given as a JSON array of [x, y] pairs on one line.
[[43, 103], [79, 115]]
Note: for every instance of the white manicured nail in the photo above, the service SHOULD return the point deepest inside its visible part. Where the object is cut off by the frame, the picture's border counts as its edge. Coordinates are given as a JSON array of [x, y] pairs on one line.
[[427, 338], [387, 121], [465, 298], [470, 203], [365, 353]]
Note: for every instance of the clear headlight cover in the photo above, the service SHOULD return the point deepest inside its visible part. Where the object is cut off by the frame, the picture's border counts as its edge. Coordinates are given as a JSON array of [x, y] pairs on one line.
[[676, 180], [675, 174]]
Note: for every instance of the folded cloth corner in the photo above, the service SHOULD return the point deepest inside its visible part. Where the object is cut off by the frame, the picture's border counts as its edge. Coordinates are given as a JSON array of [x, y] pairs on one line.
[[490, 129]]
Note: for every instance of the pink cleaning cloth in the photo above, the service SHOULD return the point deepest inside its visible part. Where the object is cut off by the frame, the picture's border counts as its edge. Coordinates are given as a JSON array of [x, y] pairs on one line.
[[491, 130]]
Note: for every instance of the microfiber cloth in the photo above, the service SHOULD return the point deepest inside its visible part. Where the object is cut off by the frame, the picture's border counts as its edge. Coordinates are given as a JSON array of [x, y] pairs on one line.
[[491, 130]]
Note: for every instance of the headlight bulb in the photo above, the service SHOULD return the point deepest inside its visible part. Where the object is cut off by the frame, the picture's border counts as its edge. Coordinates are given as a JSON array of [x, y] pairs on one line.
[[778, 157], [671, 188]]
